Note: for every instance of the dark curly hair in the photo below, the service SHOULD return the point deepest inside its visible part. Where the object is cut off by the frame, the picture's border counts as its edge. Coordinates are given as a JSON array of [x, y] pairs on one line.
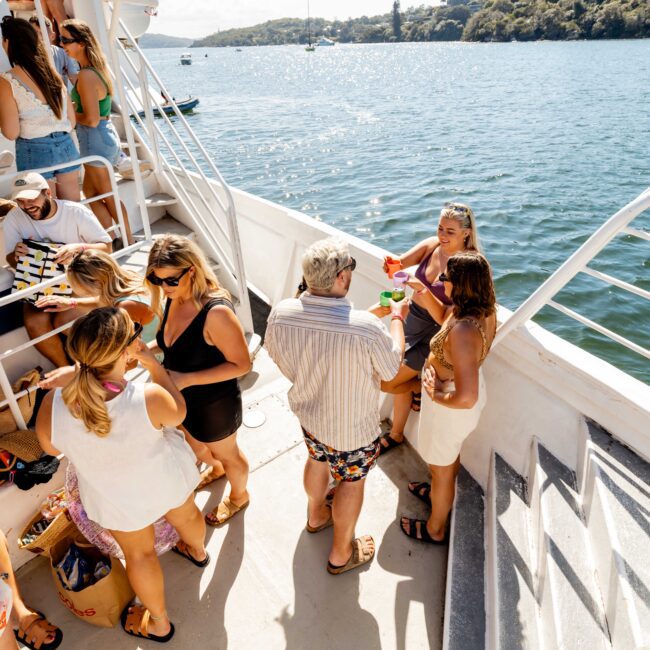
[[472, 292]]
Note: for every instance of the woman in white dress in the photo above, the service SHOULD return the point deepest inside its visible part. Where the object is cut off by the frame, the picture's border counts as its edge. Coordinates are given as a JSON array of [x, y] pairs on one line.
[[454, 390], [131, 472]]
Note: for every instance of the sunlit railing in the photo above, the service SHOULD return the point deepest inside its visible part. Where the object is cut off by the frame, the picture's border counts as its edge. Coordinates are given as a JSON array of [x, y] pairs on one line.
[[618, 224]]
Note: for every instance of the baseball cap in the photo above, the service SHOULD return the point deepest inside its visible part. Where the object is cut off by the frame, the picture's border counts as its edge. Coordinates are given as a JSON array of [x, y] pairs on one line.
[[28, 186]]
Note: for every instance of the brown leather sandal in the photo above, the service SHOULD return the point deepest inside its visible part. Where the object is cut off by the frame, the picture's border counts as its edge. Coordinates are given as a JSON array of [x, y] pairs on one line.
[[361, 554], [36, 633]]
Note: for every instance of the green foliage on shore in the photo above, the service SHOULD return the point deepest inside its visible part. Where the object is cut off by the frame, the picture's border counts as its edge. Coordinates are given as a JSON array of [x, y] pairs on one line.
[[468, 20]]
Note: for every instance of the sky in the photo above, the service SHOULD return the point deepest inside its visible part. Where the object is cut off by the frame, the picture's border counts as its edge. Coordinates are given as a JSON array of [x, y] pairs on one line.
[[197, 18]]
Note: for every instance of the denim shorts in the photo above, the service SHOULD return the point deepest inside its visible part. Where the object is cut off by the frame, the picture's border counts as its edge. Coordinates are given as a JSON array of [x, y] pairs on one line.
[[343, 465], [54, 149], [101, 140]]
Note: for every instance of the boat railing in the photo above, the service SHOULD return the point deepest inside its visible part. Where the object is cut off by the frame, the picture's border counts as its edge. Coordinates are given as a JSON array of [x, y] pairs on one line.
[[190, 157], [11, 399], [618, 224]]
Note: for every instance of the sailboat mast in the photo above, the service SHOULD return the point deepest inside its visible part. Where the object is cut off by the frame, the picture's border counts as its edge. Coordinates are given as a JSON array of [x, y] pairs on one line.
[[309, 23]]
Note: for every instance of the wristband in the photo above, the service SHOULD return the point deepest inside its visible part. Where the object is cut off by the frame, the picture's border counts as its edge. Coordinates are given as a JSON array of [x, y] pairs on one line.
[[397, 317], [421, 291], [72, 303]]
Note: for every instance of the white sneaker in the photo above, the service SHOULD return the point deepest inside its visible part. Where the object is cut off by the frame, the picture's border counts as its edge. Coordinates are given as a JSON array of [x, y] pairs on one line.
[[125, 167], [7, 159]]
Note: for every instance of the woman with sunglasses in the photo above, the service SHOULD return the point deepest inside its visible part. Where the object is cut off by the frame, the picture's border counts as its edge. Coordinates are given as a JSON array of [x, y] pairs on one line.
[[111, 430], [92, 97], [456, 232], [205, 352], [36, 111], [454, 387]]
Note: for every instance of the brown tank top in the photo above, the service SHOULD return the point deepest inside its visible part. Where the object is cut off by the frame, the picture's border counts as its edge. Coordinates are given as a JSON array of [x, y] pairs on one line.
[[438, 341]]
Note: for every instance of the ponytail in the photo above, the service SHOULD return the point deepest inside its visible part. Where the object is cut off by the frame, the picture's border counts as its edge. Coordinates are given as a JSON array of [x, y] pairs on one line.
[[84, 396]]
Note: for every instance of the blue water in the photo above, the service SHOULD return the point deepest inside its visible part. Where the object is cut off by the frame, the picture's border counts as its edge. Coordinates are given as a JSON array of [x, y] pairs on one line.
[[544, 140]]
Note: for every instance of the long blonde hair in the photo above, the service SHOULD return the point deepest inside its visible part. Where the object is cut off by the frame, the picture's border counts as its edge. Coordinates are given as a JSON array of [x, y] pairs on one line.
[[95, 342], [464, 216], [81, 32], [103, 276], [177, 252]]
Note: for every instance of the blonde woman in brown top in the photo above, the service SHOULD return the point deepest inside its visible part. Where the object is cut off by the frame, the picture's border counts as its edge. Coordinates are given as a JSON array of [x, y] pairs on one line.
[[454, 390]]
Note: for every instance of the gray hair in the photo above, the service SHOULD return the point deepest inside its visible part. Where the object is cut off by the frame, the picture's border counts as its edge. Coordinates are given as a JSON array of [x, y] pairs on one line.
[[322, 262]]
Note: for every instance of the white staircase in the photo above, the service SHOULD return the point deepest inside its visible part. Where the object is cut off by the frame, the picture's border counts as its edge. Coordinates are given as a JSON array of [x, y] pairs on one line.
[[565, 560]]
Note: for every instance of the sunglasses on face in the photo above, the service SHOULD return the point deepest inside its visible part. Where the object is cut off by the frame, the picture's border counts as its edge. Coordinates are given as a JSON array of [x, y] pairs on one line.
[[66, 41], [443, 277], [352, 265], [170, 282], [137, 330]]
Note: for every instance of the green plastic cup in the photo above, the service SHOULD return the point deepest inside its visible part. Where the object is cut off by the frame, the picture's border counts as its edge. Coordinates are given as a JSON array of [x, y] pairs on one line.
[[385, 297]]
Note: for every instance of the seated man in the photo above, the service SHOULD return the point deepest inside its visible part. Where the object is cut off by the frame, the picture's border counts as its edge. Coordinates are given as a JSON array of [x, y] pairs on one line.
[[41, 218], [32, 628]]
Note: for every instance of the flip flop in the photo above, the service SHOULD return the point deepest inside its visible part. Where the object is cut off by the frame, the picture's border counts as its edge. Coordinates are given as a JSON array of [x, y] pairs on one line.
[[416, 401], [316, 529], [417, 529], [361, 554], [224, 511], [24, 636], [184, 551], [141, 632], [421, 490], [207, 477], [391, 443]]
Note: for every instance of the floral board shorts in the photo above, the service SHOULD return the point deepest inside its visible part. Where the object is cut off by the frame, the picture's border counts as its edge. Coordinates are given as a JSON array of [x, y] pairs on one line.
[[344, 465]]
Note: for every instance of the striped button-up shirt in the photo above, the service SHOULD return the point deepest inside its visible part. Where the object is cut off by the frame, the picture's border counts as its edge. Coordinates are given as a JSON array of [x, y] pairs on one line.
[[335, 356]]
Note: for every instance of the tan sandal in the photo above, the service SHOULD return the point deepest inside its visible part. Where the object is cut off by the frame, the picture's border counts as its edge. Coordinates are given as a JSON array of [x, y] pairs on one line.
[[224, 511], [34, 635], [135, 622], [316, 529], [209, 476], [361, 554]]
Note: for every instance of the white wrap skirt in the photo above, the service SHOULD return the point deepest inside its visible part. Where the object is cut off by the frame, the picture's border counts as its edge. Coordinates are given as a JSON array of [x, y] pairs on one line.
[[443, 430]]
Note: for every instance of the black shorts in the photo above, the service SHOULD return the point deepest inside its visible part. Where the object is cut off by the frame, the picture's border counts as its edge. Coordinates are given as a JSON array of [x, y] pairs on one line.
[[216, 420]]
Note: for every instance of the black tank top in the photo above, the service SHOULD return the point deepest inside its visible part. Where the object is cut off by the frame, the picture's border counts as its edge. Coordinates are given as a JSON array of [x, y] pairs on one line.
[[190, 353]]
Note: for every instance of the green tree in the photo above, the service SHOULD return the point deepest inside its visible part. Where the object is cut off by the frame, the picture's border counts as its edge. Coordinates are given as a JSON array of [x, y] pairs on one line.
[[397, 21]]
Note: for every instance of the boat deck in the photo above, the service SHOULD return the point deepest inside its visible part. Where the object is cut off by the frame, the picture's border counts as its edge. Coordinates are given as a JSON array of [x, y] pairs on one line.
[[267, 586]]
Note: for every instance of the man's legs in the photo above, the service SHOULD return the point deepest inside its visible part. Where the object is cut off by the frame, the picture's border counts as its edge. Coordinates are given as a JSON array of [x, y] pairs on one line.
[[38, 322], [316, 480], [346, 509]]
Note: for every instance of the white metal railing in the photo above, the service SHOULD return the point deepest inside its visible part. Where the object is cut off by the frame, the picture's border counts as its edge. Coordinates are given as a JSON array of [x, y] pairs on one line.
[[150, 132], [11, 399], [578, 263]]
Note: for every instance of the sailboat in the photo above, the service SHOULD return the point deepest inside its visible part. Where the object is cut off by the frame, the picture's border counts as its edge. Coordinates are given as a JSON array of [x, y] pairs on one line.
[[310, 47]]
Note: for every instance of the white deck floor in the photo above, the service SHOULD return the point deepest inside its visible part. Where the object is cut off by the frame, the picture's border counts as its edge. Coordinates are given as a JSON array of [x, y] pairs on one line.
[[267, 586]]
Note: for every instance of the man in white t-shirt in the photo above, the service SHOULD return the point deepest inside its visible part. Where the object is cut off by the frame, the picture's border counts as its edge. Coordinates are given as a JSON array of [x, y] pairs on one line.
[[41, 218]]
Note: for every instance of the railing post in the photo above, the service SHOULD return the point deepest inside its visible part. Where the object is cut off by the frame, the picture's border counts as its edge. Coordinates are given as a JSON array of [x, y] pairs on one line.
[[44, 32], [574, 265], [148, 112]]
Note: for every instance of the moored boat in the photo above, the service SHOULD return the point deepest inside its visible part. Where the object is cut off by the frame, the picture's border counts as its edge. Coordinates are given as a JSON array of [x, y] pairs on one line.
[[186, 58]]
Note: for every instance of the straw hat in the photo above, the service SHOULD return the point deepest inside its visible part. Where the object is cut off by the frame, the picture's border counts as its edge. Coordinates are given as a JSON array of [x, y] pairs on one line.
[[23, 444]]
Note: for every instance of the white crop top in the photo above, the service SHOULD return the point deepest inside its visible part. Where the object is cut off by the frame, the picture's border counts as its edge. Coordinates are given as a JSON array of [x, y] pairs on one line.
[[36, 117]]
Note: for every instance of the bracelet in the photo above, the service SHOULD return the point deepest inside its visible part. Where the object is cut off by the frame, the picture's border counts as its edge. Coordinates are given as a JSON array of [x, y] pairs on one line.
[[421, 291], [397, 317], [72, 303]]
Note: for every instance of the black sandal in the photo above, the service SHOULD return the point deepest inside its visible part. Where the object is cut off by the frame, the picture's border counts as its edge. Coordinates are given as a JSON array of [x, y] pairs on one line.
[[23, 634], [391, 443], [141, 629], [421, 490], [417, 529], [186, 554], [416, 402]]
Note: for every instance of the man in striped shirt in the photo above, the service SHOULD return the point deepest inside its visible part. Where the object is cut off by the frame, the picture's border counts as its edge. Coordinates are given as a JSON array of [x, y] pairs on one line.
[[336, 356]]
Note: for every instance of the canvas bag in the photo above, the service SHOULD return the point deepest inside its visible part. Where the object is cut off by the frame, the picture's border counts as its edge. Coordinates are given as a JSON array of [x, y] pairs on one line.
[[25, 403], [37, 266], [101, 603]]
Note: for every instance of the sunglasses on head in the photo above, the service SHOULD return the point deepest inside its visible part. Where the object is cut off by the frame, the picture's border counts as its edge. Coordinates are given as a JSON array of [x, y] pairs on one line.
[[170, 282], [352, 265], [64, 40], [137, 330]]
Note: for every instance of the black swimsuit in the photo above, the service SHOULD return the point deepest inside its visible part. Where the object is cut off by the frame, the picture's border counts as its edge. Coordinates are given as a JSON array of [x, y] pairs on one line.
[[214, 411]]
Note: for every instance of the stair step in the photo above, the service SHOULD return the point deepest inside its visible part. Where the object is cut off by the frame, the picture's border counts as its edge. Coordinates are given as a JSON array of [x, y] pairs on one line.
[[464, 625], [512, 608], [572, 611], [616, 496], [160, 199]]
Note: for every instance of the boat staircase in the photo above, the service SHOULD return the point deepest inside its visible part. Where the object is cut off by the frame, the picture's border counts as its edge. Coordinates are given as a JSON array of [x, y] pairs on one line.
[[549, 530]]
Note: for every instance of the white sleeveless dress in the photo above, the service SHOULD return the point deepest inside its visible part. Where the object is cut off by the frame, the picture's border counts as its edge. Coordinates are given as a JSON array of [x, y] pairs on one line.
[[134, 475]]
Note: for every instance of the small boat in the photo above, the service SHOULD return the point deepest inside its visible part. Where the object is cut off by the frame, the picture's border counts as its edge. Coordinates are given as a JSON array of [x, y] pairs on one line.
[[325, 42], [184, 106], [310, 47], [186, 58]]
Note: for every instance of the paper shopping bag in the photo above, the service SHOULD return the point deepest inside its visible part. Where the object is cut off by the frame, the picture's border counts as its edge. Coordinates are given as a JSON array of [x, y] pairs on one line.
[[100, 603]]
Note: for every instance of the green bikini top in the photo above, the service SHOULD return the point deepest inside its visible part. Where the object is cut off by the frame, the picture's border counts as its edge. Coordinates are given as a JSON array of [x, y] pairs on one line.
[[104, 104]]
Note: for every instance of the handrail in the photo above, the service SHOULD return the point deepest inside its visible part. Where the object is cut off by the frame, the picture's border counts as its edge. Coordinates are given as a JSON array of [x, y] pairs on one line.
[[229, 210], [576, 263]]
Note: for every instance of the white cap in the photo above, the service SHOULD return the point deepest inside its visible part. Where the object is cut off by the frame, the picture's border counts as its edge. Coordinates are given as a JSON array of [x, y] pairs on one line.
[[28, 186]]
